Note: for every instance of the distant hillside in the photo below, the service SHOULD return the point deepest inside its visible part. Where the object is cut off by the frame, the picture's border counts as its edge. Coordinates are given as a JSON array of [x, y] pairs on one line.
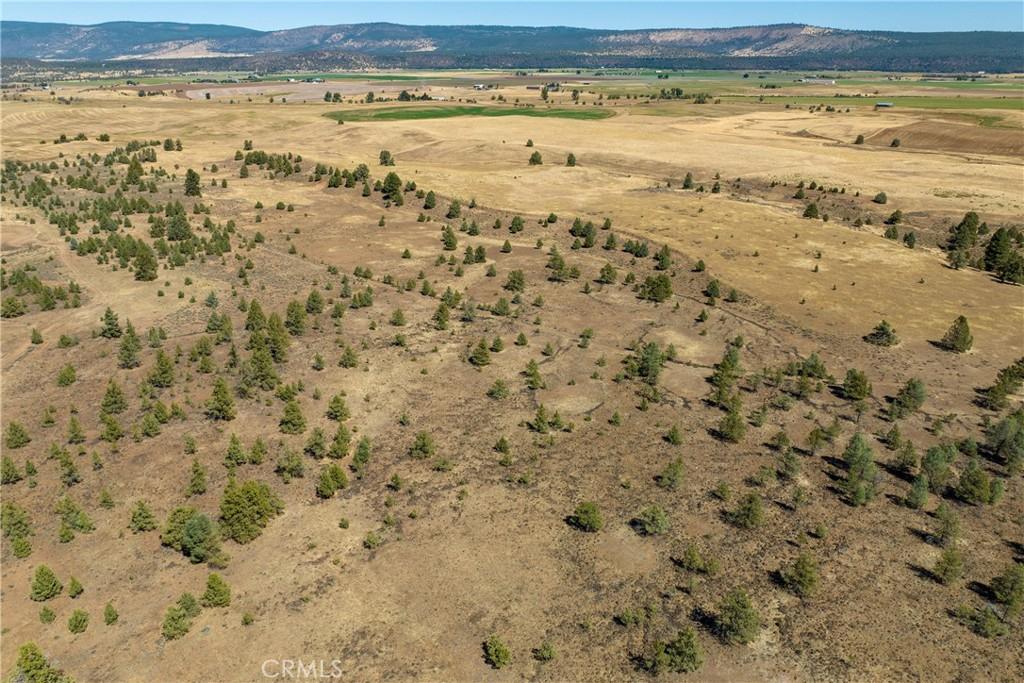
[[382, 44]]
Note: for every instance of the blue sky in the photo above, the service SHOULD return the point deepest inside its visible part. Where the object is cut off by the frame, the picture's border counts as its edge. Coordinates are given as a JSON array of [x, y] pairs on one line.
[[914, 15]]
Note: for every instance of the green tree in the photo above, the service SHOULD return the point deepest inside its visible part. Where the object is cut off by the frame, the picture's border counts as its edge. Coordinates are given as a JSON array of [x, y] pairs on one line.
[[882, 335], [221, 405], [950, 565], [128, 351], [45, 584], [111, 328], [496, 653], [802, 576], [245, 510], [217, 593], [958, 337], [1008, 589], [162, 375], [142, 518], [856, 386], [908, 400], [192, 184], [16, 436], [587, 517], [536, 159], [292, 420], [680, 655], [738, 622], [749, 513], [78, 621]]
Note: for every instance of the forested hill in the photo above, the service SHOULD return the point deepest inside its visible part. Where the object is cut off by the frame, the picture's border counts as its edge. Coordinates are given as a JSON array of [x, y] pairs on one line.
[[396, 45]]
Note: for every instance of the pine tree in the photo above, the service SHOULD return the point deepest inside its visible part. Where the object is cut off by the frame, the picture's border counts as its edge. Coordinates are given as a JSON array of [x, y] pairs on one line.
[[110, 615], [9, 472], [197, 480], [114, 401], [16, 436], [75, 433], [882, 335], [481, 355], [738, 622], [856, 386], [162, 375], [292, 420], [733, 426], [217, 593], [221, 405], [861, 471], [45, 584], [246, 509], [337, 409], [111, 328], [142, 518], [235, 455], [128, 352], [192, 184], [958, 338]]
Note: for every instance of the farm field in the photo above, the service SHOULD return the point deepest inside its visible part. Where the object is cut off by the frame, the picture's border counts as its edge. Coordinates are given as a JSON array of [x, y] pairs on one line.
[[511, 384]]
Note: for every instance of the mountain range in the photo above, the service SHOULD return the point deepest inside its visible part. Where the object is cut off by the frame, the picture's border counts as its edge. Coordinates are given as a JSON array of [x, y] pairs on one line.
[[395, 45]]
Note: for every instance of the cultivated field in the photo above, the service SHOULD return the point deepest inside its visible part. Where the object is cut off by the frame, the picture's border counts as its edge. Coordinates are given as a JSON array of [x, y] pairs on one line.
[[497, 373]]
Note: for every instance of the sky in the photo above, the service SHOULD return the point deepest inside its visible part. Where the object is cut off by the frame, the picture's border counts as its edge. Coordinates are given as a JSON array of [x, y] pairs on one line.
[[912, 15]]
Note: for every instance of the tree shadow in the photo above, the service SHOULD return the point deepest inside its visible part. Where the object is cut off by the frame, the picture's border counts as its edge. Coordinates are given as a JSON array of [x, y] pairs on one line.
[[895, 472], [983, 590], [923, 573]]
